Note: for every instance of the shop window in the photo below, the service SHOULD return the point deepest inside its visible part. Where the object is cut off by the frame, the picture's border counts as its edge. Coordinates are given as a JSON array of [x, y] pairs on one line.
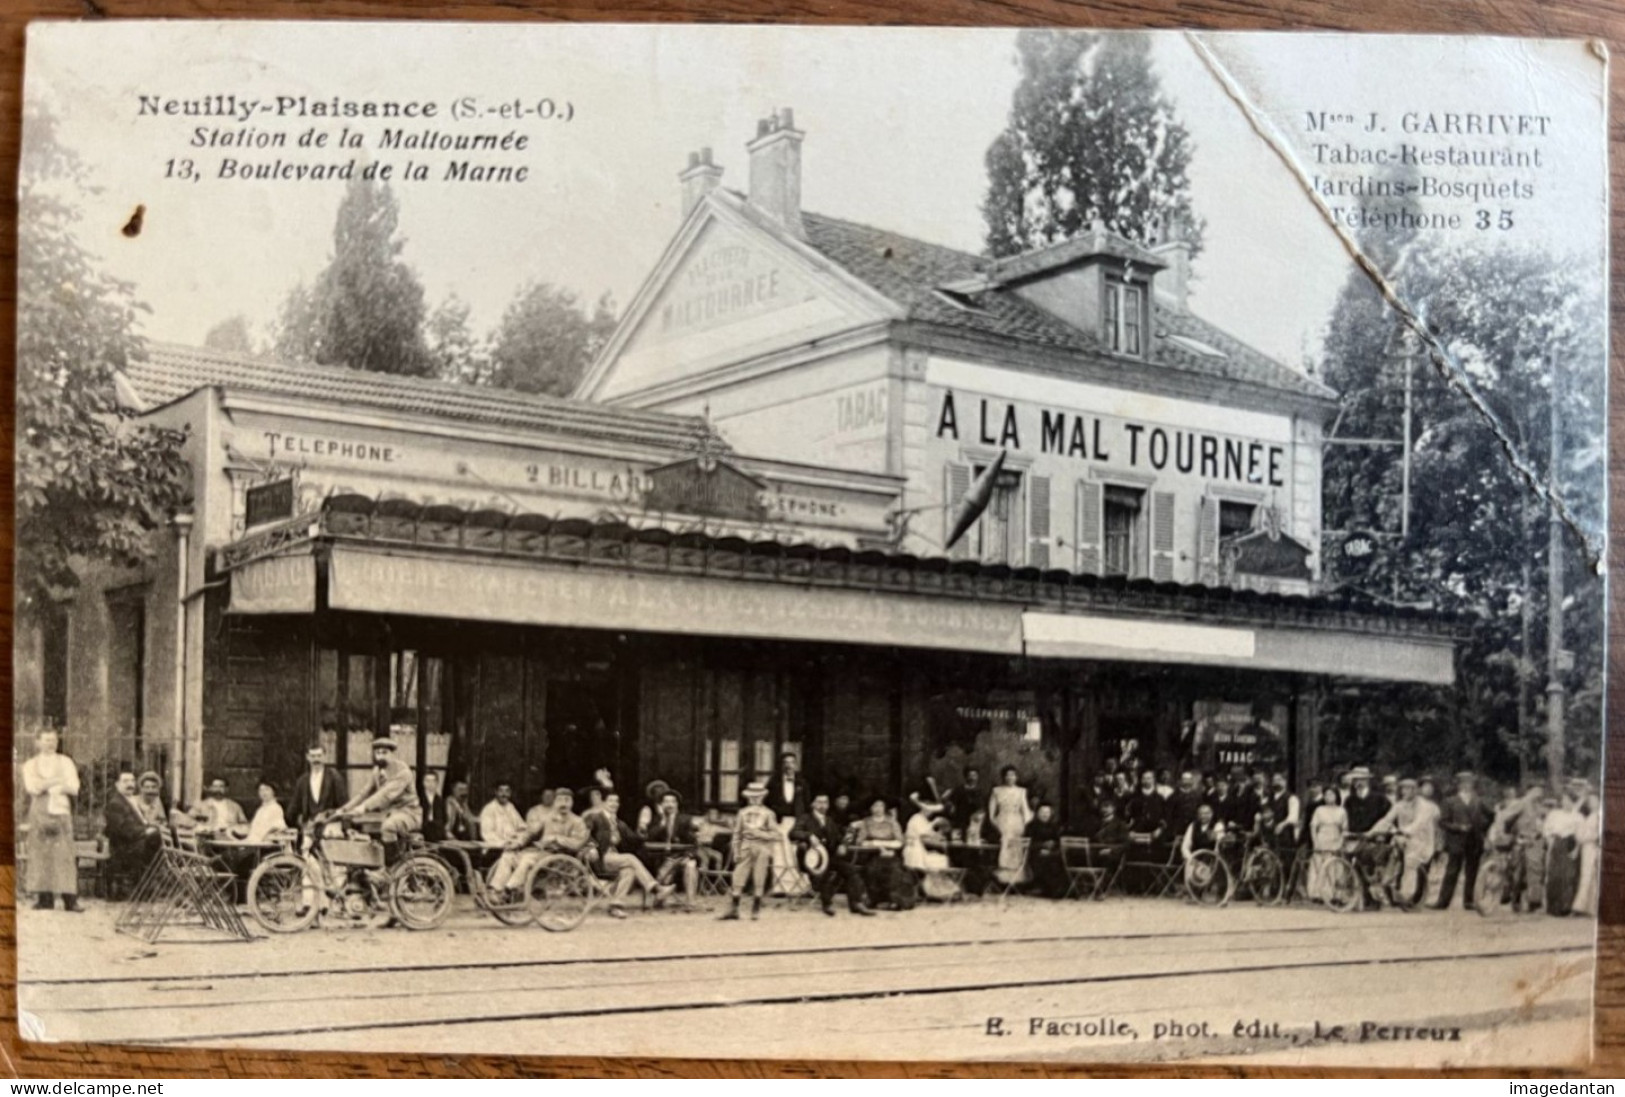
[[1125, 317], [1122, 520], [347, 695], [416, 717], [721, 771]]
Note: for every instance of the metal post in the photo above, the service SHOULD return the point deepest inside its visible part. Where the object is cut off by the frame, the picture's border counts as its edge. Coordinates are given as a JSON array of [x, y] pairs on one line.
[[1405, 466], [1554, 609], [183, 536]]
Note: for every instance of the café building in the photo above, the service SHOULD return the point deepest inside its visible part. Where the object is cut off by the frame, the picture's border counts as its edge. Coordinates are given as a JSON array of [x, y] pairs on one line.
[[1157, 473], [735, 540]]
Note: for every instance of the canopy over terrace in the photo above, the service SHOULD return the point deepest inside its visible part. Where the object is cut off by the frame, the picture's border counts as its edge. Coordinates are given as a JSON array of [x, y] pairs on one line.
[[399, 557]]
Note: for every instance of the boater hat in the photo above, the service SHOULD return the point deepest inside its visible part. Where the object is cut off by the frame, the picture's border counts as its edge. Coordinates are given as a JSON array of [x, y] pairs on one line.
[[385, 744], [1359, 773], [755, 790], [815, 861]]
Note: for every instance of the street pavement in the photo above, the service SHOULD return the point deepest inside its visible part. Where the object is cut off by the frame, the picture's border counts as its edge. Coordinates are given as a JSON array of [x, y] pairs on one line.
[[1120, 980]]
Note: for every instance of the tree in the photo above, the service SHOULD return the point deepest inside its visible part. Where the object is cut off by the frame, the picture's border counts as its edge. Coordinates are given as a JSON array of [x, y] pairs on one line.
[[231, 335], [1090, 137], [456, 354], [366, 309], [546, 341], [92, 482], [1520, 330]]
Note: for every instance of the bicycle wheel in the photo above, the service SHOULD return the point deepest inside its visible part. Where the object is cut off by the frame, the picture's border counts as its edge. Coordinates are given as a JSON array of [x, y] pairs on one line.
[[510, 911], [420, 892], [1262, 874], [1208, 879], [1435, 871], [277, 896], [1343, 890], [1490, 890], [560, 893], [1388, 876]]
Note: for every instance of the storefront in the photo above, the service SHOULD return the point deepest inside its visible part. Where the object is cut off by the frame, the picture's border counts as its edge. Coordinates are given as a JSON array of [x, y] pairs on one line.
[[737, 544]]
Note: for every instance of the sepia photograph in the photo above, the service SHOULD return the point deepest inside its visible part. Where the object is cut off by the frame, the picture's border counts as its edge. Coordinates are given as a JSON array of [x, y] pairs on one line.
[[811, 543]]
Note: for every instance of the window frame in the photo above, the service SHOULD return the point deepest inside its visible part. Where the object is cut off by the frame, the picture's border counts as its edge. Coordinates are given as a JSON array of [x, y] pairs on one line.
[[1124, 315]]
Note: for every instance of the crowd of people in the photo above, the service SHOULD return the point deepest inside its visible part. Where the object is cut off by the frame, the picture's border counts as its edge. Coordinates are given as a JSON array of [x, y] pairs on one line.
[[788, 837]]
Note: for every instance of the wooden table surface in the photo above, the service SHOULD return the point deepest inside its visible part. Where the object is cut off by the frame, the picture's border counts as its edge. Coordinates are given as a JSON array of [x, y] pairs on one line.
[[1601, 19]]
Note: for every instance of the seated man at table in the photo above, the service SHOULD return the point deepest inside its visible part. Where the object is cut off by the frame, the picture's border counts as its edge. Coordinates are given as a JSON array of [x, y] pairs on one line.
[[818, 830], [557, 830], [674, 836], [614, 844], [134, 836], [500, 821], [217, 813]]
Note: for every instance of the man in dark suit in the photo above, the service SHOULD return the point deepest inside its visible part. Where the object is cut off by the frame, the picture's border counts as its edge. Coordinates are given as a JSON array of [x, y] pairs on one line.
[[1182, 805], [818, 829], [134, 837], [672, 829], [787, 792], [434, 809], [1464, 818], [318, 790]]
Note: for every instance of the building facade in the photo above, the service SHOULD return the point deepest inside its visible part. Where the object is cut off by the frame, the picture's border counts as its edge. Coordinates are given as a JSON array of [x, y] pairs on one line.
[[735, 542]]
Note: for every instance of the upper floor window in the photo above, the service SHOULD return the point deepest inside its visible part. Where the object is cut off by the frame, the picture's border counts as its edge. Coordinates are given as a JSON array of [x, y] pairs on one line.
[[1122, 547], [1125, 317], [1235, 519]]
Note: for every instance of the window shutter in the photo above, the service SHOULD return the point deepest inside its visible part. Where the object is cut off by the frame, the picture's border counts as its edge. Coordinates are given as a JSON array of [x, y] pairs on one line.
[[1038, 503], [1089, 531], [1207, 543], [955, 488], [1162, 536]]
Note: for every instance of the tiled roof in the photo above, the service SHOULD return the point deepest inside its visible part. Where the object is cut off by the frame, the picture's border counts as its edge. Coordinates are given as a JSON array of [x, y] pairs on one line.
[[171, 372], [914, 273]]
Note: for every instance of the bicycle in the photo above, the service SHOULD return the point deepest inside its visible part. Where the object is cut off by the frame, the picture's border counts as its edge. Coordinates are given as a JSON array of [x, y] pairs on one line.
[[556, 892], [344, 877], [1503, 879]]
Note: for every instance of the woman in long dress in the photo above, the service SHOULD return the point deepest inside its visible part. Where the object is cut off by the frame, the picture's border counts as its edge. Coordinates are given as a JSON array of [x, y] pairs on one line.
[[51, 781], [1560, 828], [1327, 828], [1009, 810], [1589, 835]]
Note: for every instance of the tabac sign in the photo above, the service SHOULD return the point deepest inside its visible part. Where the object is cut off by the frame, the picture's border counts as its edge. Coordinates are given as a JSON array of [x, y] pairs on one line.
[[705, 486]]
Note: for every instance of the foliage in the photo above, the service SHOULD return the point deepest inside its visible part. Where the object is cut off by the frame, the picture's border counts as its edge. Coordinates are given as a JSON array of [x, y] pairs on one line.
[[1090, 137], [1520, 326], [546, 341], [92, 484], [456, 354], [230, 335], [366, 309]]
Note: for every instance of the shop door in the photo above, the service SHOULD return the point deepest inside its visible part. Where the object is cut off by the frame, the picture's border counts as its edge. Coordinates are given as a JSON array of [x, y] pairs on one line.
[[583, 733]]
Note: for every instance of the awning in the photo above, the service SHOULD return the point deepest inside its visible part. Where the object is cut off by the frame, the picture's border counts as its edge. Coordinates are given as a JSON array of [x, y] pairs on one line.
[[493, 589], [275, 584], [1309, 651]]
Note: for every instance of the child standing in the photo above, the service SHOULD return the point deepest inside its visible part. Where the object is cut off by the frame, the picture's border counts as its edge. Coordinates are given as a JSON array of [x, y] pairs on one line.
[[755, 834]]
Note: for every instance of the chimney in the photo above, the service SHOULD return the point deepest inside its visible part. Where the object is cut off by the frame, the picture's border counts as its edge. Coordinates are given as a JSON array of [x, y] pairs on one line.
[[775, 170], [1173, 282], [699, 179]]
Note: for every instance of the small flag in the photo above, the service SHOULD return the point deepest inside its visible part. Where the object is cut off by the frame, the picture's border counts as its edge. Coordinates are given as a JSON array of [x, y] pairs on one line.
[[970, 508]]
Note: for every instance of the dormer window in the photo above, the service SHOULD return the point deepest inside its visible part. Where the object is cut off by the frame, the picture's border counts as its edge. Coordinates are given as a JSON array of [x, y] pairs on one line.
[[1124, 317]]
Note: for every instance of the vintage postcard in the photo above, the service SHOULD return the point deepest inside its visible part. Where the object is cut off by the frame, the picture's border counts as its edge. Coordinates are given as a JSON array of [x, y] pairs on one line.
[[780, 542]]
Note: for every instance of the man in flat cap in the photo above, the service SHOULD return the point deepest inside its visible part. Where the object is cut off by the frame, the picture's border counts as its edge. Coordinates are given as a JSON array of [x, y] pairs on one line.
[[1464, 818], [392, 791]]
